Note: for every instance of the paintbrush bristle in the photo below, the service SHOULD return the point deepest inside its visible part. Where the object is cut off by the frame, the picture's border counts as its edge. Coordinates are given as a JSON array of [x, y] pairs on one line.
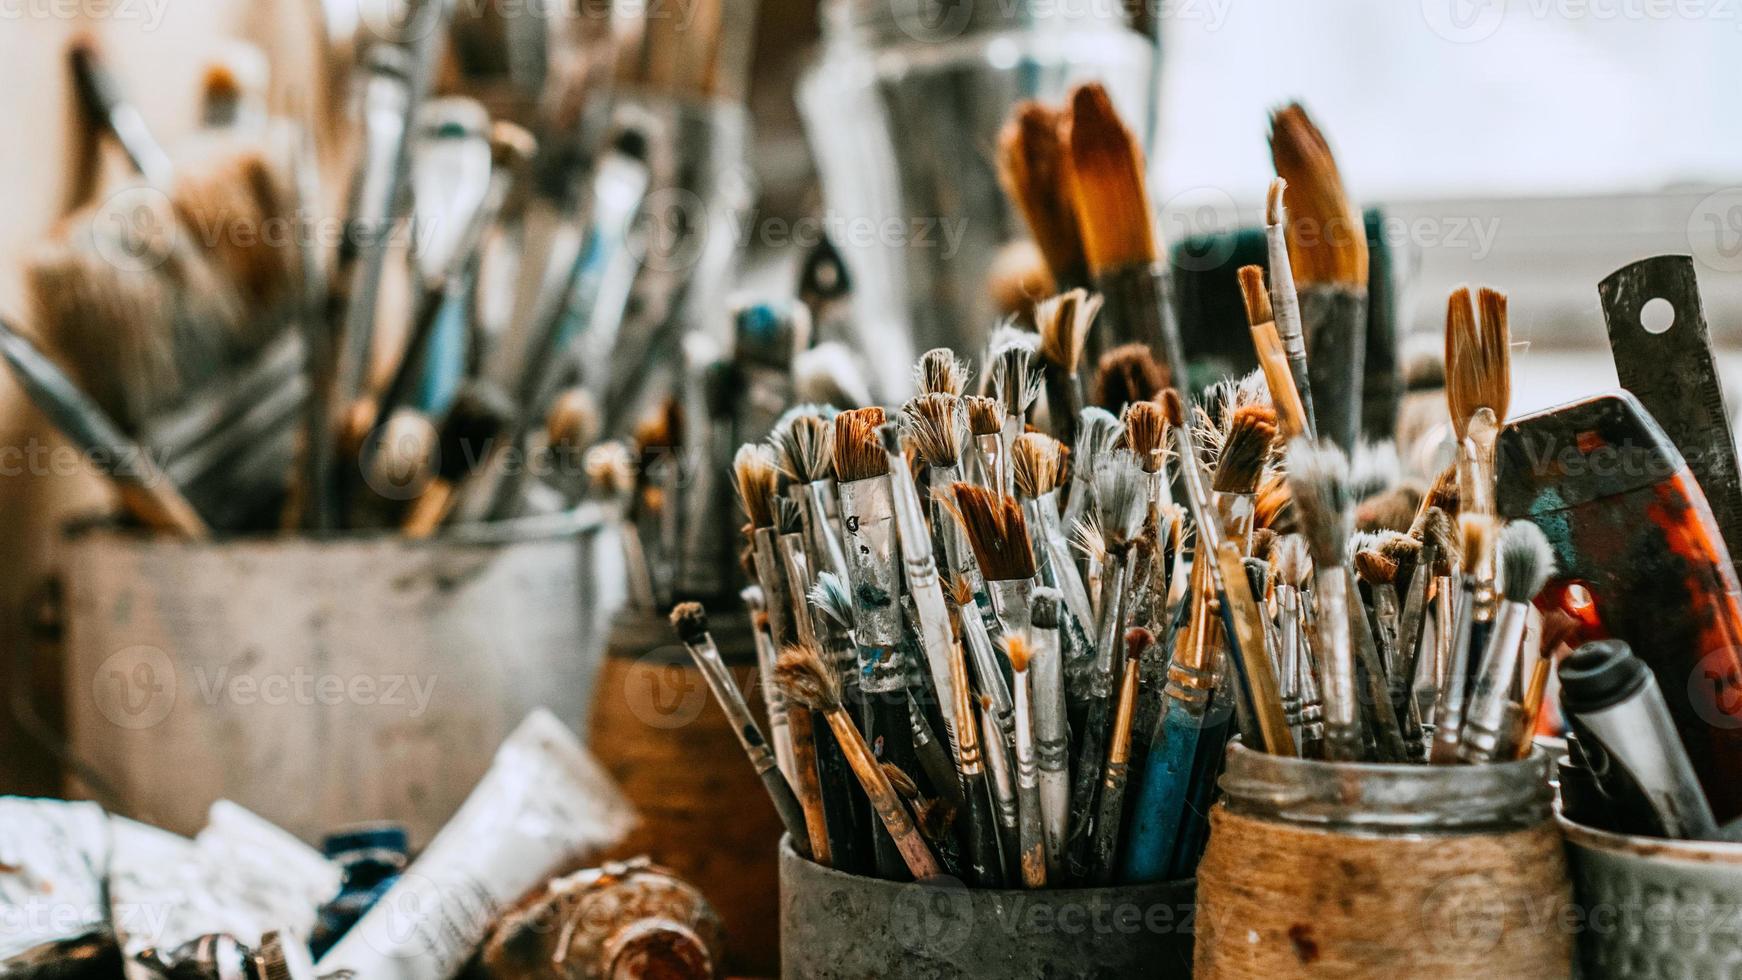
[[1107, 184], [1045, 610], [1375, 568], [1019, 651], [1440, 533], [1402, 550], [1275, 211], [1119, 497], [1126, 374], [1263, 543], [1255, 296], [1137, 640], [938, 428], [1015, 378], [1478, 357], [961, 591], [832, 374], [1036, 464], [1318, 481], [788, 516], [1064, 322], [1146, 434], [1017, 278], [804, 447], [985, 415], [831, 595], [804, 678], [610, 468], [755, 475], [691, 622], [1290, 559], [1033, 167], [1246, 448], [1525, 559], [1275, 505], [1327, 241], [889, 437], [940, 371], [858, 454], [1373, 467], [1444, 493], [902, 783], [1173, 407], [1394, 509], [1475, 538], [997, 531]]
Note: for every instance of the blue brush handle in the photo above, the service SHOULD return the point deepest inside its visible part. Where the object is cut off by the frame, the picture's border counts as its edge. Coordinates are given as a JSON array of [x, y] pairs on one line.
[[1162, 791]]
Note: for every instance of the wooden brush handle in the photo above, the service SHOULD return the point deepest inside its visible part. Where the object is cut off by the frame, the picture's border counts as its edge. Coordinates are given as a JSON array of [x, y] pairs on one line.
[[884, 799], [160, 506], [429, 511], [809, 789]]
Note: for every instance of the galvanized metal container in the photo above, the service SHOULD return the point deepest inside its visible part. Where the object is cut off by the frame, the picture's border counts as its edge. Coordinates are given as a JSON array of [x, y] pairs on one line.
[[324, 682], [837, 926], [1653, 909]]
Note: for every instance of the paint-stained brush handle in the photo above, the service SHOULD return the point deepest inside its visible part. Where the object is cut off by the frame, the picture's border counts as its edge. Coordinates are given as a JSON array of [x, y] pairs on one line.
[[1629, 523]]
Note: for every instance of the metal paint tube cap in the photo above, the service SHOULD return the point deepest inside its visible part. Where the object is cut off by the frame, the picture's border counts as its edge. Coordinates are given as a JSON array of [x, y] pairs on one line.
[[1601, 674]]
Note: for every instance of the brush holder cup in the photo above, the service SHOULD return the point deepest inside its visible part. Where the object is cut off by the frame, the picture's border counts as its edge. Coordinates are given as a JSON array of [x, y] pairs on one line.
[[1383, 871], [704, 812], [840, 926], [903, 110], [1653, 909], [321, 682]]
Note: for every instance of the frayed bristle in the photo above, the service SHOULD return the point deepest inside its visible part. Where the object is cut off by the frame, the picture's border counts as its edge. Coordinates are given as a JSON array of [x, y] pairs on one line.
[[1036, 462], [1107, 184], [938, 428], [831, 595], [1137, 640], [858, 454], [691, 622], [1033, 167], [1127, 374], [1389, 510], [1097, 431], [1475, 538], [804, 678], [961, 591], [1246, 449], [1064, 322], [1444, 494], [1119, 497], [1087, 538], [1525, 559], [1373, 468], [940, 371], [1275, 504], [755, 475], [985, 415], [610, 468], [1402, 550], [1264, 543], [1374, 568], [1146, 434], [1018, 650], [1440, 534], [1478, 357], [902, 783], [997, 531], [1275, 211], [804, 448], [1327, 241], [1290, 559], [1015, 378], [1045, 610], [788, 517], [1173, 407], [1255, 296], [1318, 476]]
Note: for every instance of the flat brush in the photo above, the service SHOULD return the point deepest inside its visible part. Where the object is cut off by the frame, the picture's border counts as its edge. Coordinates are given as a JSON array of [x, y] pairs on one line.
[[1016, 382], [691, 623], [1037, 461], [1526, 564], [938, 428], [1475, 533], [1317, 476], [145, 490], [986, 427], [1146, 433], [1285, 393], [1064, 322], [1285, 303], [1033, 166], [1327, 245], [999, 535], [106, 103], [1478, 396], [804, 442], [1114, 211], [807, 681]]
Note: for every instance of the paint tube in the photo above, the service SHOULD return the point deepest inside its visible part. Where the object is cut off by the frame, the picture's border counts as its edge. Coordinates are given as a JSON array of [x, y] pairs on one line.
[[544, 803]]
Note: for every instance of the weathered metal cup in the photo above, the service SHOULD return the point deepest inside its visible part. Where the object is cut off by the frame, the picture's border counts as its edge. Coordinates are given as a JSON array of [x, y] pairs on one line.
[[323, 682], [839, 926], [1653, 909]]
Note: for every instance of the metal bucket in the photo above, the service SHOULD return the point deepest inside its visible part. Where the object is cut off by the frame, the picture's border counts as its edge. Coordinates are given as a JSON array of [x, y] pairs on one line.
[[323, 682], [837, 926], [1652, 909]]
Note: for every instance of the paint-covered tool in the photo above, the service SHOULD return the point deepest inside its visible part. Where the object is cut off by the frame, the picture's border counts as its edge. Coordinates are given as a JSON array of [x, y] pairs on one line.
[[1630, 525], [1670, 369]]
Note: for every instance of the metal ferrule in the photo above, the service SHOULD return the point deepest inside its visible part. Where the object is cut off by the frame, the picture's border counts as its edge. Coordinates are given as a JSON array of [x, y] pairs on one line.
[[1239, 513], [1285, 304], [994, 465], [1486, 734], [1011, 600], [1044, 517], [868, 517], [978, 643], [774, 701], [923, 586], [1160, 489], [713, 670], [1135, 310], [814, 509], [1288, 654], [1449, 705], [796, 564], [770, 574], [1336, 651], [1108, 632]]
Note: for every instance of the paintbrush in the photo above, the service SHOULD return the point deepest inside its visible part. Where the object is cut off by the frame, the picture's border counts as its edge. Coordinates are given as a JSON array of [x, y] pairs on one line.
[[839, 802], [1114, 774], [1146, 433], [773, 700], [1478, 395], [1126, 374], [981, 825], [1016, 383], [1050, 735], [1031, 830], [1037, 461], [1097, 430], [755, 478], [611, 471], [1526, 564], [1064, 322], [803, 439], [997, 736], [1291, 568], [986, 427], [145, 491], [105, 103], [999, 536], [807, 681], [1285, 306], [1245, 450], [935, 759], [1475, 534], [1285, 393], [691, 623], [1384, 728], [1113, 209], [470, 437], [1033, 167], [1413, 561], [1327, 247], [938, 429], [940, 371], [1317, 477]]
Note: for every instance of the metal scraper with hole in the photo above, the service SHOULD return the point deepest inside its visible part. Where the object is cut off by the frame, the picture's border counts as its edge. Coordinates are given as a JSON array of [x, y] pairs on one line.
[[1663, 355]]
